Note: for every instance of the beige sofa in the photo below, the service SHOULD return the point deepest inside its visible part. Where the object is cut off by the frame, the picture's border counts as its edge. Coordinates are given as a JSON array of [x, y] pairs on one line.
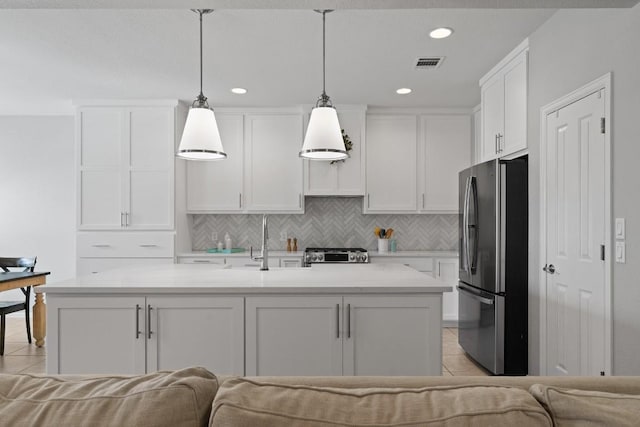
[[196, 397]]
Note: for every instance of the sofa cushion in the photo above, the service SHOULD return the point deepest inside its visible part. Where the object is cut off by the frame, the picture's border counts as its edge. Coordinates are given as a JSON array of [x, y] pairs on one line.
[[241, 402], [569, 407], [179, 398]]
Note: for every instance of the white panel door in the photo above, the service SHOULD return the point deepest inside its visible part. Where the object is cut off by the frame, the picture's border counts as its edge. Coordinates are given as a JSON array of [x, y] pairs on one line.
[[343, 178], [149, 166], [575, 276], [274, 180], [515, 107], [492, 116], [102, 335], [393, 335], [391, 164], [196, 331], [293, 335], [217, 186], [445, 149], [101, 132]]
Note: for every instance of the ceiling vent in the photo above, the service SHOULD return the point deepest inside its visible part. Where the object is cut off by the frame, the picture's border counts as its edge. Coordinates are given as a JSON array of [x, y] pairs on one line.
[[429, 62]]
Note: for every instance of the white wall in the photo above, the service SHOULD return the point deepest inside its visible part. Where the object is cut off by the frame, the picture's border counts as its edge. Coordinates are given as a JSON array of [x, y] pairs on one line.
[[571, 49], [37, 193]]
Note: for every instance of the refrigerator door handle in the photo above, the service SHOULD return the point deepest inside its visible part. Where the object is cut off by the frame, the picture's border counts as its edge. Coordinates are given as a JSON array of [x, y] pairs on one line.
[[483, 300], [465, 228], [473, 194]]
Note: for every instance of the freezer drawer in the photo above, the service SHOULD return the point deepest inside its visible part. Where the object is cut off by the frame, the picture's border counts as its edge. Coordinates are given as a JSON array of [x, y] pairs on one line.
[[481, 327]]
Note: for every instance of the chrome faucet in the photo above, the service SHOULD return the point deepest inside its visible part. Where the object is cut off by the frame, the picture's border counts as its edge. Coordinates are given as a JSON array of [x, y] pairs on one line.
[[264, 256]]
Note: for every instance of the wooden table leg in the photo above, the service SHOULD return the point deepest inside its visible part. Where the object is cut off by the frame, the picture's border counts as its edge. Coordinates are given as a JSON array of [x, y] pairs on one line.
[[39, 320]]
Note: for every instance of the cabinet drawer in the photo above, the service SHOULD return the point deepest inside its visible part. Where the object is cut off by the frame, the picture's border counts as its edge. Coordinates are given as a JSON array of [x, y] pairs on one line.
[[86, 266], [417, 263], [125, 245]]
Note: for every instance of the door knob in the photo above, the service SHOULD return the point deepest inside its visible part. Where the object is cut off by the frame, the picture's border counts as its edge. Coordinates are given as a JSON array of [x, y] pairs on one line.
[[549, 269]]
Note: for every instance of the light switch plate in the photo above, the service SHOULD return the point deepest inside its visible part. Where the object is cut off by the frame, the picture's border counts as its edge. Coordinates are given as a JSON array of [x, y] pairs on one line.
[[621, 252], [620, 229]]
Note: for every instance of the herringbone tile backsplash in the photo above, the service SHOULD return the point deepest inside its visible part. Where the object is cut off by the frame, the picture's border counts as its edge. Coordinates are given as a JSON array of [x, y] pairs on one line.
[[329, 222]]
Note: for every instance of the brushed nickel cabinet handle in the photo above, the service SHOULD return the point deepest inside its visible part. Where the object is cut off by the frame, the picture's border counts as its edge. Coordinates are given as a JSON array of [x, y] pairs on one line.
[[348, 320], [100, 245], [149, 308], [121, 219], [148, 246], [240, 200], [138, 332]]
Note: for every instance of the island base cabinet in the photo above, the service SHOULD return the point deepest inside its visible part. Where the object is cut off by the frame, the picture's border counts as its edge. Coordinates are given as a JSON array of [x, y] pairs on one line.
[[344, 335], [196, 331], [95, 335], [293, 335], [138, 334], [392, 335]]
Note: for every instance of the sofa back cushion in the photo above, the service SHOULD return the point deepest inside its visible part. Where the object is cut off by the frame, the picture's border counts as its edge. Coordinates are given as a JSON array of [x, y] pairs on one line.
[[179, 398], [569, 407], [242, 403]]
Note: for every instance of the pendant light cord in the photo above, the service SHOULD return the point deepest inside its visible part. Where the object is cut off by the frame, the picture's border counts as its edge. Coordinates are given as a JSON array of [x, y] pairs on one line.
[[324, 93], [201, 94]]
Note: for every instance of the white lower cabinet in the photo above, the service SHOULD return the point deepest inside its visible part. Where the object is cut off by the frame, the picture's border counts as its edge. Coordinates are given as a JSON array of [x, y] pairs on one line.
[[293, 335], [447, 271], [392, 335], [137, 334], [343, 335], [195, 331]]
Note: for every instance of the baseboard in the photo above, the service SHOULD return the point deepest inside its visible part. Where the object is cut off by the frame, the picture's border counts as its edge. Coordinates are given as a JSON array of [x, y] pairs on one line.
[[450, 322]]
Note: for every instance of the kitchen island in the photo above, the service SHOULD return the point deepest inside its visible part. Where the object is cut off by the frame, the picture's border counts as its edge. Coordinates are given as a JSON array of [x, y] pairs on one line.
[[365, 319]]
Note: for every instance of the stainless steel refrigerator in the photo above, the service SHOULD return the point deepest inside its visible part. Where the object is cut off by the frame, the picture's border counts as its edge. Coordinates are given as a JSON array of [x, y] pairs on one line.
[[493, 291]]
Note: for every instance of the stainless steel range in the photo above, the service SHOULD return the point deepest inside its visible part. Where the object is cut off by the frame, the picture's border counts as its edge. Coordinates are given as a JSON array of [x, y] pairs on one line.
[[335, 255]]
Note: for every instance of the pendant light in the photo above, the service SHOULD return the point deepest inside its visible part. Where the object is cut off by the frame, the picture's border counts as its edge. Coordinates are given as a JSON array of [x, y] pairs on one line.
[[323, 140], [200, 138]]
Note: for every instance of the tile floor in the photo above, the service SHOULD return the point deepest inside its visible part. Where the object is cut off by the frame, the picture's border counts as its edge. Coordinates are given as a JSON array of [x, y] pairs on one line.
[[20, 356]]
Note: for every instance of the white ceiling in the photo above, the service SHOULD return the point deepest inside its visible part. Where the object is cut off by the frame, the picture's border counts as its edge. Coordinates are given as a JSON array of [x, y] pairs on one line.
[[55, 55]]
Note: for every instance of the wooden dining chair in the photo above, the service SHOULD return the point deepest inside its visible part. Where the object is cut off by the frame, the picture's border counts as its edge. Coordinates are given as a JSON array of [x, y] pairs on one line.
[[6, 307]]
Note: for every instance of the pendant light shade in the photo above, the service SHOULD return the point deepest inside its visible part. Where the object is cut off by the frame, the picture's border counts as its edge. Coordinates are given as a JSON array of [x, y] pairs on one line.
[[323, 140], [201, 138]]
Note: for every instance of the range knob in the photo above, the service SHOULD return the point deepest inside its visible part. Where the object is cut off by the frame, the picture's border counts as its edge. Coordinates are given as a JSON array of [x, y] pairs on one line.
[[352, 256], [314, 257], [320, 257]]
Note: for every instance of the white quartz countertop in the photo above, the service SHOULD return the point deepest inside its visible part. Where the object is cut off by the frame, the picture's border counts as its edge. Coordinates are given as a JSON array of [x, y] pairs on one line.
[[220, 279], [434, 254]]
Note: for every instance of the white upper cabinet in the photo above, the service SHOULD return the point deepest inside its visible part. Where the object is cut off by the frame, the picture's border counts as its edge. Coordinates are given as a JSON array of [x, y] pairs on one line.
[[391, 166], [445, 151], [504, 106], [126, 167], [344, 177], [273, 170], [217, 186]]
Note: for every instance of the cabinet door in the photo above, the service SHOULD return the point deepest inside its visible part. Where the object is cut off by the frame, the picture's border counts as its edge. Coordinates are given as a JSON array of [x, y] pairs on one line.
[[217, 186], [100, 135], [393, 335], [343, 178], [445, 152], [101, 335], [293, 335], [492, 116], [447, 271], [391, 164], [515, 106], [196, 331], [149, 168], [273, 176]]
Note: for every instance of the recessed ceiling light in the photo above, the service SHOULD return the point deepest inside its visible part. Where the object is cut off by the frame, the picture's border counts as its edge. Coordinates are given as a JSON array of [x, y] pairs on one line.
[[403, 91], [441, 33], [239, 90]]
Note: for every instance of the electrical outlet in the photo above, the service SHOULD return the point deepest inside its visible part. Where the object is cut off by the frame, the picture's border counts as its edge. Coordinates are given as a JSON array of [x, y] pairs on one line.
[[214, 236], [283, 236]]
